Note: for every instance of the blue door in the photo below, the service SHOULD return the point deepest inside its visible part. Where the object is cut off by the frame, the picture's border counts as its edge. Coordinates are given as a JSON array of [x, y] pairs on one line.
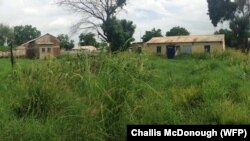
[[170, 52]]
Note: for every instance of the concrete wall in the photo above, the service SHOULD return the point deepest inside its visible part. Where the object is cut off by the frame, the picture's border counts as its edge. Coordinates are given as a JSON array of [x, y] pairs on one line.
[[44, 51], [196, 47]]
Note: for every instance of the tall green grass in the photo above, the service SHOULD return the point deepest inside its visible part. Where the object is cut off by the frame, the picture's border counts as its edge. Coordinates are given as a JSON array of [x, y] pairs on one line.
[[94, 97]]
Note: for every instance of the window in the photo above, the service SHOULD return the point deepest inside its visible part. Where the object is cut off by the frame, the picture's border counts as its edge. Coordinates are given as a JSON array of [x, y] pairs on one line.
[[43, 49], [49, 50], [158, 50], [187, 49], [207, 48]]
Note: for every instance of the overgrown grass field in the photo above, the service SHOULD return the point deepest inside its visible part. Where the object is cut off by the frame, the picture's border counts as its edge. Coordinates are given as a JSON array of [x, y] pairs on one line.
[[94, 98]]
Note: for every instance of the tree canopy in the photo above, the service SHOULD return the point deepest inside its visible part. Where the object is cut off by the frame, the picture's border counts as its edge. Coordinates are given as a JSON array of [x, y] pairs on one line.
[[65, 42], [177, 31], [98, 15], [237, 12], [121, 33], [7, 34], [230, 38], [25, 33], [87, 39], [150, 34]]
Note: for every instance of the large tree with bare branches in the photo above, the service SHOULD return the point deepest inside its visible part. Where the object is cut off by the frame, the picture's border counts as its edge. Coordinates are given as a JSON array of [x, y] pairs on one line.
[[95, 14]]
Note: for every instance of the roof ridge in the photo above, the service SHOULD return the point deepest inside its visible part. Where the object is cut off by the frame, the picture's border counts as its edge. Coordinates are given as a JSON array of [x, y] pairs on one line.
[[36, 39]]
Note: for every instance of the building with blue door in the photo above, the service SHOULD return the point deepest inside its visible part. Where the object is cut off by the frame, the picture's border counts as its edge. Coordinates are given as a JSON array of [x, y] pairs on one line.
[[174, 45]]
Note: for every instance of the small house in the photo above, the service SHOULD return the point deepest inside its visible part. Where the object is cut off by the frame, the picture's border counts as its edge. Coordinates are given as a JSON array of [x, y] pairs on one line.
[[174, 45], [42, 47]]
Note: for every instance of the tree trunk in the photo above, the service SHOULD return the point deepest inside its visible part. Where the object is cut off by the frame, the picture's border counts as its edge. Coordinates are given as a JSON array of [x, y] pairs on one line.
[[11, 56]]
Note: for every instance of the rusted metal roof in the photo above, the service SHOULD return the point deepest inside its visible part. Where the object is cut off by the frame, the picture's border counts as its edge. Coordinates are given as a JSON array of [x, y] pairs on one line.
[[187, 39]]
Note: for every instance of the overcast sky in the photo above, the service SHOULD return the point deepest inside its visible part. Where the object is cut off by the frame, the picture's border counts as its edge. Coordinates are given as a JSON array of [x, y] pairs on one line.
[[146, 14]]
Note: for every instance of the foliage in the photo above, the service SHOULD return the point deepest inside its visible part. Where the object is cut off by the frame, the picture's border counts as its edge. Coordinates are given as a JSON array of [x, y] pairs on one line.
[[65, 42], [230, 38], [87, 39], [241, 27], [120, 33], [102, 45], [150, 34], [236, 12], [84, 97], [221, 10], [25, 33], [99, 15], [7, 34], [177, 31]]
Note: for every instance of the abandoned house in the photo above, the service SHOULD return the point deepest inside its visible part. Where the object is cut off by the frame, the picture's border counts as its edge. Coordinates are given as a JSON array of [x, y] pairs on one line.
[[41, 47], [174, 45]]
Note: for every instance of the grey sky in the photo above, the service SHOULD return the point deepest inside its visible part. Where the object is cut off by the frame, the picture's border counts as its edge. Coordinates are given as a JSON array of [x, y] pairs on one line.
[[146, 14]]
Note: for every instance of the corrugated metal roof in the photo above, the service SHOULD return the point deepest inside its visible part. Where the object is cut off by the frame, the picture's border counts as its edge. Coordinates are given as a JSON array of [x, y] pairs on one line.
[[186, 39], [41, 42]]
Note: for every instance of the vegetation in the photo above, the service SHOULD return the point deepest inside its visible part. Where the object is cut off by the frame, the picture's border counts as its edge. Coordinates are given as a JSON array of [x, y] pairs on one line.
[[25, 33], [237, 12], [230, 38], [177, 31], [7, 34], [65, 42], [150, 34], [87, 39], [121, 32], [101, 17], [94, 97]]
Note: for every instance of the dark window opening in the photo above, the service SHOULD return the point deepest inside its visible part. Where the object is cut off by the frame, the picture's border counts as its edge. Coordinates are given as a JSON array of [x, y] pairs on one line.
[[207, 48], [43, 49], [177, 50], [158, 50], [49, 50]]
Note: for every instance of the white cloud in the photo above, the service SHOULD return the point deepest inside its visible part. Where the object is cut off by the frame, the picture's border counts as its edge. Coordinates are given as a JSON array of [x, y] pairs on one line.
[[146, 14]]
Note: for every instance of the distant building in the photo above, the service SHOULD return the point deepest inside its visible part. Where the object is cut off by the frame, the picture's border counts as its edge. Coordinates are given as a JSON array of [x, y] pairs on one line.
[[174, 45], [41, 47], [136, 47], [84, 48]]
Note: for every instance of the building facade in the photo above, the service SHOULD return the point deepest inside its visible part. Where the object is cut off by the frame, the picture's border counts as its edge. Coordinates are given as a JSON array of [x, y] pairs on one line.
[[174, 45], [42, 47]]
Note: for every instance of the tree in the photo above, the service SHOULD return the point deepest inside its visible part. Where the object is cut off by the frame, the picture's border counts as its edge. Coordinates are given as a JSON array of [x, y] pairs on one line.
[[221, 10], [150, 34], [65, 42], [237, 12], [87, 39], [177, 31], [25, 33], [230, 38], [7, 34], [96, 15], [121, 33]]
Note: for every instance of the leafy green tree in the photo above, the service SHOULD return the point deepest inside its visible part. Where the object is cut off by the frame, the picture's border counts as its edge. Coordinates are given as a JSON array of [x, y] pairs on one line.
[[237, 12], [177, 31], [6, 34], [221, 10], [65, 42], [87, 39], [230, 38], [98, 15], [120, 33], [25, 33], [150, 34]]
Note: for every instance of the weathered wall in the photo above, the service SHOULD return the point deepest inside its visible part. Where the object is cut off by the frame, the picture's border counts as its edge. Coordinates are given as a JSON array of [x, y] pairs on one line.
[[196, 47]]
